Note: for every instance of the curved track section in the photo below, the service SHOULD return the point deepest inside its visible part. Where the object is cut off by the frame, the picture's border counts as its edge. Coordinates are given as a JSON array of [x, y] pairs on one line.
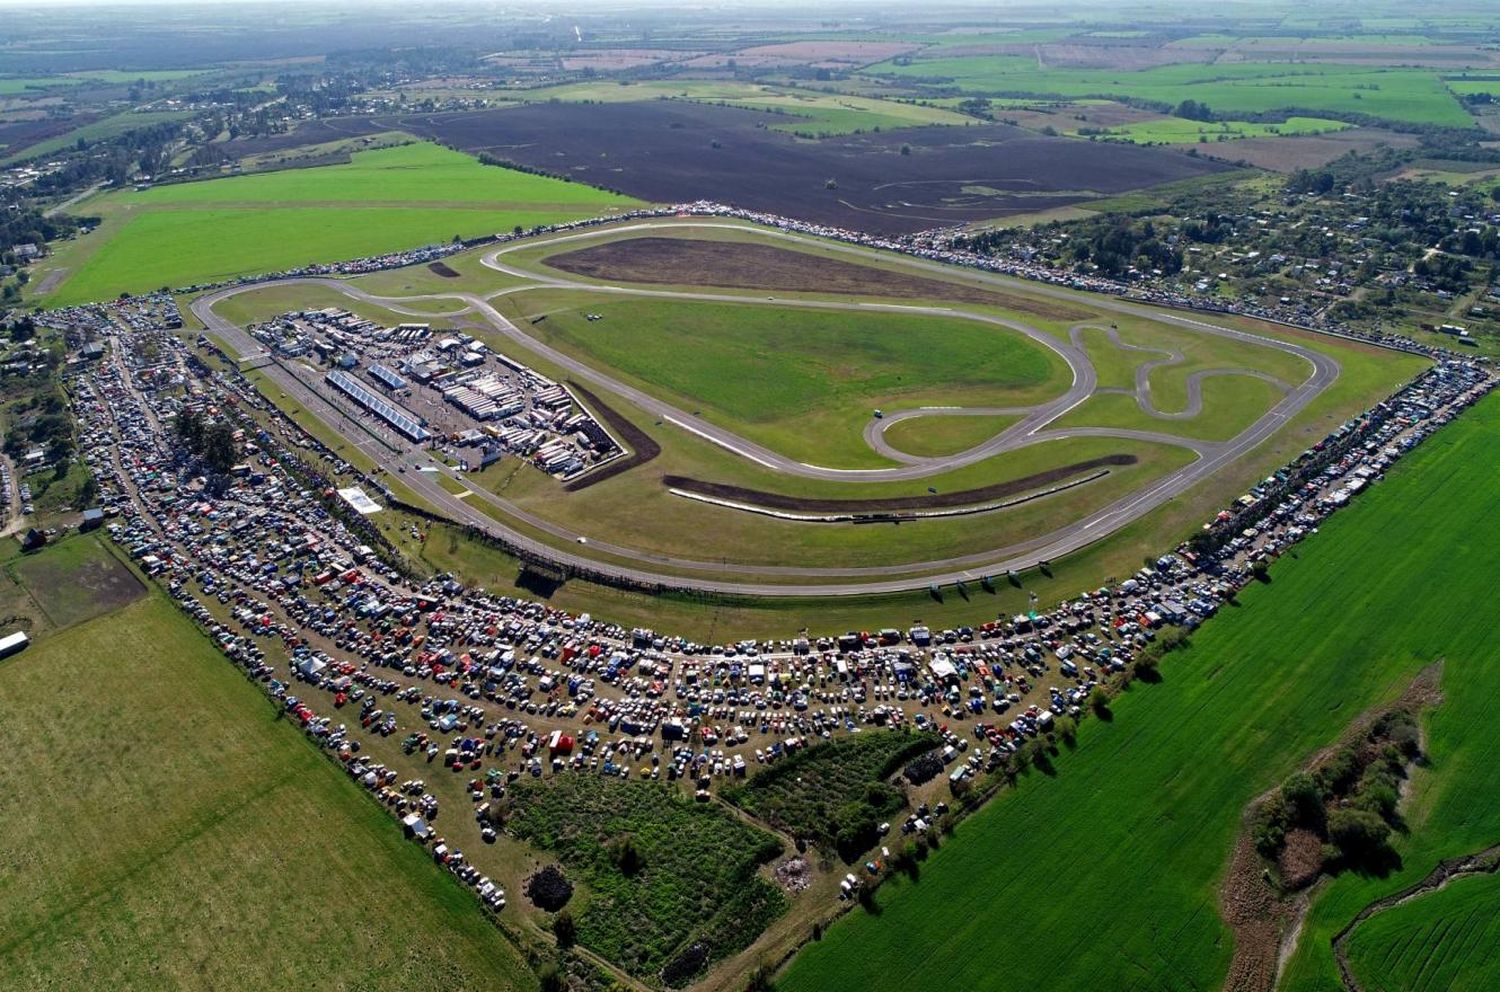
[[803, 581]]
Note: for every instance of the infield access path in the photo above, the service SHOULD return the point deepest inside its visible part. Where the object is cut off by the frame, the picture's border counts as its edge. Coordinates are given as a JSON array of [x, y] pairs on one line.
[[801, 581]]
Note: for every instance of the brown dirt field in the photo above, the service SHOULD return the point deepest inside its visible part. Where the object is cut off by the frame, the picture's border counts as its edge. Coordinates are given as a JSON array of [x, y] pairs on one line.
[[1112, 114], [442, 269], [1301, 860], [1287, 154], [734, 265], [965, 497], [79, 586], [642, 446], [675, 151], [1251, 908]]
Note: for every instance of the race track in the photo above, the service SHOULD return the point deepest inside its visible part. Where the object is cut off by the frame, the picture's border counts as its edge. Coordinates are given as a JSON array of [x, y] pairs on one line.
[[419, 470]]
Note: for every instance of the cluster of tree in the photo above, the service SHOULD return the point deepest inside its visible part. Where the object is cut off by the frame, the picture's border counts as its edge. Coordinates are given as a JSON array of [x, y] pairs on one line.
[[211, 443], [1119, 244], [976, 106], [1349, 800], [112, 160], [859, 821], [1483, 243], [1448, 273], [28, 225], [1193, 110], [42, 425], [21, 329]]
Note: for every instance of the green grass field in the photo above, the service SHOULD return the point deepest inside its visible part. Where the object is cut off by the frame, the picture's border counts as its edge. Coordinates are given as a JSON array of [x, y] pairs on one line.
[[1444, 941], [803, 382], [382, 201], [14, 85], [1116, 863], [936, 436], [1415, 96], [177, 835]]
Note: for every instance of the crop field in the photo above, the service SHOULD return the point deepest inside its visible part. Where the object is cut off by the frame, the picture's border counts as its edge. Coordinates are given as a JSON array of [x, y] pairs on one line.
[[1177, 131], [178, 835], [384, 200], [673, 151], [1442, 940], [1415, 96], [666, 876], [20, 84], [802, 382], [1130, 840], [796, 111]]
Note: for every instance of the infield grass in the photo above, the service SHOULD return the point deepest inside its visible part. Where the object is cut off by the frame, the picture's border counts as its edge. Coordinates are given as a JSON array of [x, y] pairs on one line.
[[1231, 403], [938, 435], [803, 382]]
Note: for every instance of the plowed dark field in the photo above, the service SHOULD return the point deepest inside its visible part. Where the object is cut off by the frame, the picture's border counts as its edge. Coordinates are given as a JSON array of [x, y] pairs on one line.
[[733, 265], [673, 151]]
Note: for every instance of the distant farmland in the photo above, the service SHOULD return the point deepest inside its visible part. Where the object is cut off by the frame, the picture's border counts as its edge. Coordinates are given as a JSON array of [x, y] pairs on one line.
[[384, 200], [1111, 870], [1415, 96], [670, 151]]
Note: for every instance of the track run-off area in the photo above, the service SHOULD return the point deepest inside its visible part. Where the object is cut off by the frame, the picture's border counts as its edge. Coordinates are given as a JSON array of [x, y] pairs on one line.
[[1033, 425]]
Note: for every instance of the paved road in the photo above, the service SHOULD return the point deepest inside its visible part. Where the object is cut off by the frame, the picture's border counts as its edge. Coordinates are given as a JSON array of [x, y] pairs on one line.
[[395, 454]]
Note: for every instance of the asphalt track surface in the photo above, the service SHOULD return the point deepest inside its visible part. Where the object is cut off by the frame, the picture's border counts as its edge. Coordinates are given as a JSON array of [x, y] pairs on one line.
[[419, 471]]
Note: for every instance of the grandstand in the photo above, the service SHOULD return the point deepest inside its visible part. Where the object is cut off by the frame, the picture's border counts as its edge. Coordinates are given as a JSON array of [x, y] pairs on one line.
[[386, 377], [406, 424]]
